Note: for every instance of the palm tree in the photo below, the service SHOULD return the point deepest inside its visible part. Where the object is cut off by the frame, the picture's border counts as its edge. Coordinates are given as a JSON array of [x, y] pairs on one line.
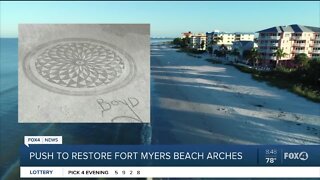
[[202, 45], [223, 50], [185, 42], [254, 56], [279, 54]]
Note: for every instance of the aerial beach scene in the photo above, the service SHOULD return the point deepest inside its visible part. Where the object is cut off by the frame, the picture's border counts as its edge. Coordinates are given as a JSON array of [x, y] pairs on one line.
[[219, 74]]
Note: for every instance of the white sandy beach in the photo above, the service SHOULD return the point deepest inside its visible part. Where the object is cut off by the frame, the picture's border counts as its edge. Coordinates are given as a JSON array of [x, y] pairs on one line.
[[195, 101]]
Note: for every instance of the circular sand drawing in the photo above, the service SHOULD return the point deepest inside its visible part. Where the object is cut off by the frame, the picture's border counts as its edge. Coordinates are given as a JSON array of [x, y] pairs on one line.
[[79, 67]]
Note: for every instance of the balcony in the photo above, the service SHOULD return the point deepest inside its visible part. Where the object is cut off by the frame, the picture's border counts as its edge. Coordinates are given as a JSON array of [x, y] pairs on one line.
[[274, 37], [316, 45], [267, 50], [316, 51], [269, 44], [298, 38], [269, 37], [299, 51], [299, 44]]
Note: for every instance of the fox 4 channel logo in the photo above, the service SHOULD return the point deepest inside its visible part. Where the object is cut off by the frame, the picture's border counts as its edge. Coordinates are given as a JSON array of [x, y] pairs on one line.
[[303, 156]]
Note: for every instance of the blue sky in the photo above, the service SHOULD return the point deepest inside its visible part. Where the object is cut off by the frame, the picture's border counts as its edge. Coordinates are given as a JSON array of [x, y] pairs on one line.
[[167, 19]]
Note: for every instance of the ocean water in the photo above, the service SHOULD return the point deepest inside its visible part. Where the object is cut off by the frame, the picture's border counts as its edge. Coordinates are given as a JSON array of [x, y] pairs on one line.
[[157, 41], [12, 133]]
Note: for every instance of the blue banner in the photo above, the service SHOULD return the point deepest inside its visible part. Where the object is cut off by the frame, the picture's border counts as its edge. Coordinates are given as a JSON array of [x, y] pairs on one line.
[[169, 155]]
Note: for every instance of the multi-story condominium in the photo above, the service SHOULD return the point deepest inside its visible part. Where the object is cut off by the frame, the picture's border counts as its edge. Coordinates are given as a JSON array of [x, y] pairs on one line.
[[215, 39], [186, 34], [198, 41], [244, 36], [293, 39]]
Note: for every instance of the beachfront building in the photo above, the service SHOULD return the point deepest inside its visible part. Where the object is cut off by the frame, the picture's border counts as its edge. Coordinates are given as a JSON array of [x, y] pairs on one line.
[[198, 41], [244, 36], [292, 39], [186, 34], [216, 38], [241, 47]]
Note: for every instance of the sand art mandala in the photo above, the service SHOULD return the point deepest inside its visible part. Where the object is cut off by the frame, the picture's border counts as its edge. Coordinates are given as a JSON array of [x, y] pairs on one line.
[[79, 67]]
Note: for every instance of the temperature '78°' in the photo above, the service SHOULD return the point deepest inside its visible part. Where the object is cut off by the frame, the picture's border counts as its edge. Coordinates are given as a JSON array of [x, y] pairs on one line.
[[270, 160]]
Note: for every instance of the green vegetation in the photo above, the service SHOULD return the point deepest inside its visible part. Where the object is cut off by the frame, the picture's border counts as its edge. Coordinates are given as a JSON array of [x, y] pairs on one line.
[[279, 54], [182, 43], [253, 56], [214, 41], [303, 80], [183, 46], [222, 52], [177, 41], [301, 60], [202, 44]]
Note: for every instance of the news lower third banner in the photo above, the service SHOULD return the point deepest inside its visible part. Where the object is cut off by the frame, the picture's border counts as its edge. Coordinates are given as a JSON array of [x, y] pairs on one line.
[[169, 155], [57, 160]]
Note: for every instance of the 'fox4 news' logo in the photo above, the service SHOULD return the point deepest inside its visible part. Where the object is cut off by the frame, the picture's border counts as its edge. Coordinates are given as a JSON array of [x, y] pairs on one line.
[[303, 156]]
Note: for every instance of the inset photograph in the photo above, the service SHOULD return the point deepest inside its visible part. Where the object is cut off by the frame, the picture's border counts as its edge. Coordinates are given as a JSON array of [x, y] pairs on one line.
[[84, 73]]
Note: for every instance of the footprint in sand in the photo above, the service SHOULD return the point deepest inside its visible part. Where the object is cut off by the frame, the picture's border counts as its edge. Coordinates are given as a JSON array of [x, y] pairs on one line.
[[221, 109], [230, 111], [315, 131], [258, 105], [226, 87], [297, 117], [226, 110], [281, 114]]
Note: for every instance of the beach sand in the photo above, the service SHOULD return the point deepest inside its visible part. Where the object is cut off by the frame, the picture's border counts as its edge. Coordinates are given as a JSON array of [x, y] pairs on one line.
[[195, 101]]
